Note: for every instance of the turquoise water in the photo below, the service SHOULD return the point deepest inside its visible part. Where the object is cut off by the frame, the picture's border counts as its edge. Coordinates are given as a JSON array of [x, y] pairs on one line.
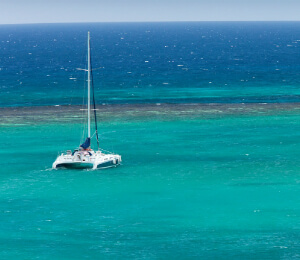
[[216, 187], [210, 158]]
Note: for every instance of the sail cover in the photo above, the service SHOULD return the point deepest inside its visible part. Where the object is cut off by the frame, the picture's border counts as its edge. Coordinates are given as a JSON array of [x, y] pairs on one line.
[[86, 143]]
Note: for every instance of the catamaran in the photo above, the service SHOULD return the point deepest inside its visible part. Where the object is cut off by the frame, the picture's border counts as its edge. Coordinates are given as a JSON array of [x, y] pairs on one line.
[[84, 157]]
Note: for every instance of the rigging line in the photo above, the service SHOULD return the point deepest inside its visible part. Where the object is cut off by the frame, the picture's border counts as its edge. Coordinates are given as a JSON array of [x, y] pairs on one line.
[[84, 112], [95, 113], [87, 70], [106, 151], [93, 135], [78, 82], [98, 68]]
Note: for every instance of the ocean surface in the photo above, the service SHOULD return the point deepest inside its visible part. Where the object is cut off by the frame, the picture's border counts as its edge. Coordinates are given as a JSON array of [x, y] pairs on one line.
[[205, 115]]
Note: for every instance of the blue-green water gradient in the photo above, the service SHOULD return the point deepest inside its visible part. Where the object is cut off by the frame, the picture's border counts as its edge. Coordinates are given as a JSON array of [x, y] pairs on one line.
[[205, 116]]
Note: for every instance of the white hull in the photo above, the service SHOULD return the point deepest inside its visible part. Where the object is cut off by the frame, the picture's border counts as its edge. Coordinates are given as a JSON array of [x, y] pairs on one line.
[[87, 160]]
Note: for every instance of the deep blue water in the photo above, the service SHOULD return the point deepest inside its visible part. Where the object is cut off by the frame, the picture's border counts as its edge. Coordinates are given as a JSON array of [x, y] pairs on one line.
[[151, 62]]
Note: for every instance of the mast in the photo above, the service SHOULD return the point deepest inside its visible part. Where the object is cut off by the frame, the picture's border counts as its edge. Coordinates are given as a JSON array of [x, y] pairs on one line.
[[89, 88]]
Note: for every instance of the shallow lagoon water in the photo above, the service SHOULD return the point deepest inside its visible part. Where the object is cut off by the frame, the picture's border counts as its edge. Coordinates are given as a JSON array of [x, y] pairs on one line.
[[220, 187]]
